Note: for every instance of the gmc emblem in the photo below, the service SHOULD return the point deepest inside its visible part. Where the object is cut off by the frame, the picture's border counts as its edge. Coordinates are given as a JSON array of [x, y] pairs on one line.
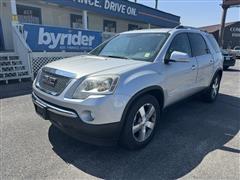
[[51, 81]]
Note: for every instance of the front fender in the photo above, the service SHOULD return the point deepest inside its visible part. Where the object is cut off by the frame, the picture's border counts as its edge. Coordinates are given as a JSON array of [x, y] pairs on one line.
[[134, 82]]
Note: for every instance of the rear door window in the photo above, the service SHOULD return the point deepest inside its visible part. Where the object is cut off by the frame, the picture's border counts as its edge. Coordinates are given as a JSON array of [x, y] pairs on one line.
[[198, 44]]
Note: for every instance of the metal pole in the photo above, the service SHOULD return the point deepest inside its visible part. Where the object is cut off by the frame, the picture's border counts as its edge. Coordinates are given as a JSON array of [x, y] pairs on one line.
[[85, 22], [221, 32], [156, 4], [135, 1], [14, 11]]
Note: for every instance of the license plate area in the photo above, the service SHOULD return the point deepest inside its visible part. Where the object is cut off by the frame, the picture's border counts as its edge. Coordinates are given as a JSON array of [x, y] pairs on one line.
[[227, 58], [41, 111]]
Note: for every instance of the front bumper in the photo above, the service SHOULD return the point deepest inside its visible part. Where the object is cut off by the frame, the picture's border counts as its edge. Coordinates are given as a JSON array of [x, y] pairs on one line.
[[230, 62], [105, 108], [69, 122]]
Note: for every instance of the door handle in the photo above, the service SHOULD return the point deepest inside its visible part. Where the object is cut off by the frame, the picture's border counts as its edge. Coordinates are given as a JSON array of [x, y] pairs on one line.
[[211, 61], [193, 67]]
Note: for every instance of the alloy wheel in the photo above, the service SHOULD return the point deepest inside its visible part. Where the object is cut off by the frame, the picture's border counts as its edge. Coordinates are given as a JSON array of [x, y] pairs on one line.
[[144, 122], [215, 87]]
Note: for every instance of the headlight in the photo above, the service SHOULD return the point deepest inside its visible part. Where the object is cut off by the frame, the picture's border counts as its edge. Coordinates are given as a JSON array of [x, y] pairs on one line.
[[96, 85]]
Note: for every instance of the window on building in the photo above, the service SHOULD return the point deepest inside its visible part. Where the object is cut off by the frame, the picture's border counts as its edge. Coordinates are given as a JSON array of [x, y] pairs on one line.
[[27, 14], [109, 26], [76, 21], [199, 46], [132, 27]]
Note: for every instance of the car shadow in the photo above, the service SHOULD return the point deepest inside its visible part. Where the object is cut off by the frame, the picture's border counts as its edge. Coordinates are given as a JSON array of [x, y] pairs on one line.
[[189, 132], [231, 69], [15, 89]]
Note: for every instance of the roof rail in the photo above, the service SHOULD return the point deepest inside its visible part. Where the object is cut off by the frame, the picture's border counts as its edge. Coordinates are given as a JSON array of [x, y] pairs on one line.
[[185, 27]]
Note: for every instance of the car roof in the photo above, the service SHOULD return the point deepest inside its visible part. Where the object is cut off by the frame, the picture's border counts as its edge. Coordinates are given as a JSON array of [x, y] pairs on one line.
[[163, 30]]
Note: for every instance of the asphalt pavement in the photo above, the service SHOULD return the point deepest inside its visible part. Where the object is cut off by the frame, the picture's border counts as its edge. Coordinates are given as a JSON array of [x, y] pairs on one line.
[[196, 140]]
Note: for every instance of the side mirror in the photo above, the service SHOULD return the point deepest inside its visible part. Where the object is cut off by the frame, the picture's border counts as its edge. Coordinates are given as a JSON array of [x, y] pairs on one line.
[[177, 56]]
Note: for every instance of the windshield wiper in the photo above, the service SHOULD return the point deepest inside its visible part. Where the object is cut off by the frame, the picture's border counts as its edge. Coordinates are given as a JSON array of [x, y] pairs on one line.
[[119, 57]]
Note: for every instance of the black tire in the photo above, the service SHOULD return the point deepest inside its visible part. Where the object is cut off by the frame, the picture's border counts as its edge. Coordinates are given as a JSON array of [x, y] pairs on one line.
[[209, 95], [128, 138], [225, 68]]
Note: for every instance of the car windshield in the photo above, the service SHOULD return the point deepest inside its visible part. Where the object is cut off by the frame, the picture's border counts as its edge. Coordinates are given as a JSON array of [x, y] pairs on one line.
[[237, 48], [137, 46]]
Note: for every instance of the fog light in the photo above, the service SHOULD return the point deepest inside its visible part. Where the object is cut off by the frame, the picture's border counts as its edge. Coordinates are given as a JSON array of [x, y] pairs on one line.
[[87, 116]]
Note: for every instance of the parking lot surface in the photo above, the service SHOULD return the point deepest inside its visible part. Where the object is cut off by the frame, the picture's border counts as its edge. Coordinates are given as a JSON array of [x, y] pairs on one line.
[[195, 140]]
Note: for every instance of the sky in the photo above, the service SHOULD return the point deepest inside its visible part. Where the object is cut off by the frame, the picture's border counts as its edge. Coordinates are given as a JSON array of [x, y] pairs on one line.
[[195, 13]]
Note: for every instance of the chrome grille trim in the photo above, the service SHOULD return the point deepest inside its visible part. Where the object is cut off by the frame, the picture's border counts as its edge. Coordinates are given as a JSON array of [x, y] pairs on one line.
[[59, 72], [52, 108], [61, 82]]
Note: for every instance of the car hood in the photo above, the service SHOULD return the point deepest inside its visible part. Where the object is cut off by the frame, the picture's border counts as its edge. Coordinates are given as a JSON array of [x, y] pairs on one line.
[[89, 65]]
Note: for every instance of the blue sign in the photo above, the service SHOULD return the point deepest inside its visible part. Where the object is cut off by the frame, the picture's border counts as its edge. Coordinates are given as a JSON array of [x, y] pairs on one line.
[[123, 9], [56, 39]]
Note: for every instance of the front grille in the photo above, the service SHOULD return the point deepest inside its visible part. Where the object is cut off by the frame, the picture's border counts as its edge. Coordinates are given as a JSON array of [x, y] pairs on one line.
[[55, 88]]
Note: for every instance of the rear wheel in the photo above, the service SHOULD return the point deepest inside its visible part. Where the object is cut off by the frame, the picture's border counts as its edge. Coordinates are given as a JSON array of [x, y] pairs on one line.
[[225, 67], [141, 122], [210, 95]]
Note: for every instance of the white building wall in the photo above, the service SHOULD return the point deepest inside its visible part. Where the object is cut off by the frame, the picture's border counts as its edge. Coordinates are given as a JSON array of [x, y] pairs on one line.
[[96, 23], [60, 16], [52, 15]]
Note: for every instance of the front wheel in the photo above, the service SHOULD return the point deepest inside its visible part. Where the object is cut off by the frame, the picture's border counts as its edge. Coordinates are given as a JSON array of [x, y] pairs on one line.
[[141, 122], [210, 95]]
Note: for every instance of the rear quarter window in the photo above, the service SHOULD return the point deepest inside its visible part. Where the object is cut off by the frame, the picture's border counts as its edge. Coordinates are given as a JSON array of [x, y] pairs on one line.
[[213, 43]]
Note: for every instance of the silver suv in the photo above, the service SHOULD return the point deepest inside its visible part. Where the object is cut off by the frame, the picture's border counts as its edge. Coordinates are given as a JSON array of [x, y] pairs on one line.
[[117, 92]]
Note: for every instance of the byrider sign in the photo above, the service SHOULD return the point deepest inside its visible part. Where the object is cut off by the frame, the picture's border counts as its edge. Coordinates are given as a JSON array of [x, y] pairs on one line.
[[55, 39]]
